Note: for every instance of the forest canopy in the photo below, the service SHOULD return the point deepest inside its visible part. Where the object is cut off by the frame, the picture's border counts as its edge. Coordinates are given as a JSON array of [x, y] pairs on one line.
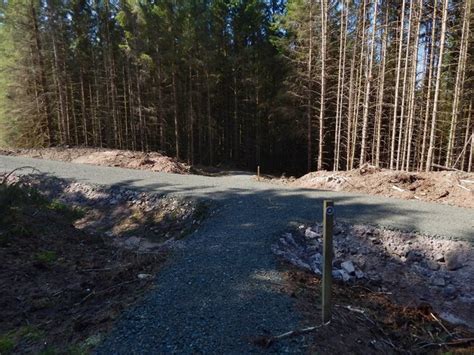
[[292, 86]]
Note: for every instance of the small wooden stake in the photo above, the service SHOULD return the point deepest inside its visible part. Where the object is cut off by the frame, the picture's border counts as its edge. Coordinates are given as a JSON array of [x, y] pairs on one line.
[[258, 172], [328, 220]]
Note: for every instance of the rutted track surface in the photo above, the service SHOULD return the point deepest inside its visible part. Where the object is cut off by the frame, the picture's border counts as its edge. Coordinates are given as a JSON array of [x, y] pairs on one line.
[[222, 288]]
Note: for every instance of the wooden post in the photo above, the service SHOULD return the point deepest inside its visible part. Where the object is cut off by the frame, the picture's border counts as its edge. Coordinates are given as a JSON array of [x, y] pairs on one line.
[[328, 219], [258, 172]]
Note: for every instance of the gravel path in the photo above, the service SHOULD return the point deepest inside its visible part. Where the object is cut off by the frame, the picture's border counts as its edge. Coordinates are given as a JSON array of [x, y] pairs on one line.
[[223, 287]]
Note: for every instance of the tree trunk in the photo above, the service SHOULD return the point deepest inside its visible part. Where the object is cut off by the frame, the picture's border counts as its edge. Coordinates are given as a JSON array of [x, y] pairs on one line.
[[365, 116], [397, 83], [42, 73], [411, 105], [458, 86], [431, 146], [340, 84], [404, 86], [175, 113], [378, 118], [309, 113], [428, 94], [323, 82]]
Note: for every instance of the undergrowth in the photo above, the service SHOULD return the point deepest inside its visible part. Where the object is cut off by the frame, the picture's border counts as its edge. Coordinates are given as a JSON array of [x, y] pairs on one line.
[[19, 200]]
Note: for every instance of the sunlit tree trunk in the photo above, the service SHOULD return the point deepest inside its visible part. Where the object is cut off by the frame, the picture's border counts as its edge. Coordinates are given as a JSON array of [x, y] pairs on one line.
[[431, 146], [397, 84], [365, 116], [428, 91], [458, 86], [323, 82]]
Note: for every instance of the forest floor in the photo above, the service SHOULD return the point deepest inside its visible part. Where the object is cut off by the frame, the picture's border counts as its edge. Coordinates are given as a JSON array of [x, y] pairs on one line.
[[74, 256], [446, 187]]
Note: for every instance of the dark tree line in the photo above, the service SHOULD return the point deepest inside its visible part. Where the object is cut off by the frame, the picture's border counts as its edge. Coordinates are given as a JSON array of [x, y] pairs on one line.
[[289, 85]]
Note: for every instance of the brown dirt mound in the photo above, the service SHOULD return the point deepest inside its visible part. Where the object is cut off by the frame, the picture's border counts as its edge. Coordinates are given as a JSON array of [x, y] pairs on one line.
[[452, 187], [152, 161]]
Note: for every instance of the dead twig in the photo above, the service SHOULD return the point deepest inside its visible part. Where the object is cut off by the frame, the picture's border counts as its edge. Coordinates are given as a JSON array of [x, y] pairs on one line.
[[448, 343], [441, 167], [398, 189], [106, 268], [441, 324], [106, 290], [354, 309], [5, 177], [464, 187], [372, 291], [372, 322], [266, 341]]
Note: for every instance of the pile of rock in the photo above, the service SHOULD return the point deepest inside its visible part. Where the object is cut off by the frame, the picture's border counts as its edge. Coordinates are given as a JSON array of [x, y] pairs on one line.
[[304, 249], [413, 268], [89, 195]]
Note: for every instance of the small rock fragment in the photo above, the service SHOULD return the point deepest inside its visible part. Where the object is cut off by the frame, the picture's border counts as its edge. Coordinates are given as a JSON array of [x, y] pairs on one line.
[[316, 258], [438, 281], [449, 292], [348, 266], [453, 261], [336, 274], [432, 265], [145, 276], [375, 240], [359, 274], [345, 276], [439, 257], [310, 234]]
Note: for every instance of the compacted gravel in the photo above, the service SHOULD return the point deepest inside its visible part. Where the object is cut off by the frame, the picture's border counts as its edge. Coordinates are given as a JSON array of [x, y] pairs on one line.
[[222, 288]]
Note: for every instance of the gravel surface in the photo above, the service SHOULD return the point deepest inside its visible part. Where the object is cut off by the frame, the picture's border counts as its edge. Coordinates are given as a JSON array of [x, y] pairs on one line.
[[223, 287]]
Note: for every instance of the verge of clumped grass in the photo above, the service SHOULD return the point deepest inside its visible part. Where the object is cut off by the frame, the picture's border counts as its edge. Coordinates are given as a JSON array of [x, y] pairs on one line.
[[16, 198], [7, 344], [72, 213], [10, 340]]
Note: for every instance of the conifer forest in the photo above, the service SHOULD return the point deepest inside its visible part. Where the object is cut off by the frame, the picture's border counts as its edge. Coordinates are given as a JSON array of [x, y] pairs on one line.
[[290, 85]]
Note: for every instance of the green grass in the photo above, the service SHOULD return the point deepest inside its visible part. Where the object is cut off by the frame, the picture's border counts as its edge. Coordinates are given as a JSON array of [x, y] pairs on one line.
[[15, 197], [86, 346], [7, 344], [47, 256], [18, 202], [10, 340], [72, 213], [30, 332], [48, 351]]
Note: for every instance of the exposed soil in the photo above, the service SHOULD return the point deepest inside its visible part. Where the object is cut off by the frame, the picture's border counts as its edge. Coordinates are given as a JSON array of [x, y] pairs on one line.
[[393, 291], [152, 161], [447, 187], [75, 256]]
